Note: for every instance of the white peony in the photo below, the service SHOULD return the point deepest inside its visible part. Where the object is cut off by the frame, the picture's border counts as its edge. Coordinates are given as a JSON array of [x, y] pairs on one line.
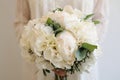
[[84, 32], [66, 45], [62, 53], [55, 58]]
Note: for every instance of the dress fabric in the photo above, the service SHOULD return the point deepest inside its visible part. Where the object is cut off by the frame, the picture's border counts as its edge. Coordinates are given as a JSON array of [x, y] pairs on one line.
[[30, 9]]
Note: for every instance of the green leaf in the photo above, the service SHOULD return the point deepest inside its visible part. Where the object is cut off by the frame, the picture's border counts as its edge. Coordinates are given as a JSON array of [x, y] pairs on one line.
[[47, 70], [88, 16], [56, 26], [58, 9], [58, 31], [53, 24], [44, 72], [96, 22], [89, 47], [49, 22], [30, 51], [56, 77], [81, 54]]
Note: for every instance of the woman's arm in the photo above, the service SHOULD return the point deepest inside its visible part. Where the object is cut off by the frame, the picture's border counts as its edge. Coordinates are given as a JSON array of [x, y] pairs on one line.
[[22, 17], [101, 14]]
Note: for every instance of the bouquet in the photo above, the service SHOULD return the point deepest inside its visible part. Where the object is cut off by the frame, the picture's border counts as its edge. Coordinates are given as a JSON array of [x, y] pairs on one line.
[[64, 41]]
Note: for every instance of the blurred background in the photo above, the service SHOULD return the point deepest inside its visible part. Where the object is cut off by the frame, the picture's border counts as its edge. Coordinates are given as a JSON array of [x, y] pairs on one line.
[[10, 58]]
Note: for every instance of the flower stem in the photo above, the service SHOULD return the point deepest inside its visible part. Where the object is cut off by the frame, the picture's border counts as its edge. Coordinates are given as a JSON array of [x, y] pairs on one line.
[[57, 77]]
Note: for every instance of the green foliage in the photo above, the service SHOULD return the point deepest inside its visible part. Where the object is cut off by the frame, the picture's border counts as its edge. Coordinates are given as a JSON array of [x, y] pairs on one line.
[[81, 54], [55, 26], [82, 51], [96, 22], [58, 31], [88, 16], [49, 22], [58, 9], [89, 47], [45, 71]]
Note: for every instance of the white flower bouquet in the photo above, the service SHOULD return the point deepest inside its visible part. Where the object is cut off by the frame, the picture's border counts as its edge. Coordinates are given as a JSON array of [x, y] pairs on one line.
[[63, 41]]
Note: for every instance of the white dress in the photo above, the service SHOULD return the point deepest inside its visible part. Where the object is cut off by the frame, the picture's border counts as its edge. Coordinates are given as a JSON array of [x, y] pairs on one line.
[[30, 9]]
